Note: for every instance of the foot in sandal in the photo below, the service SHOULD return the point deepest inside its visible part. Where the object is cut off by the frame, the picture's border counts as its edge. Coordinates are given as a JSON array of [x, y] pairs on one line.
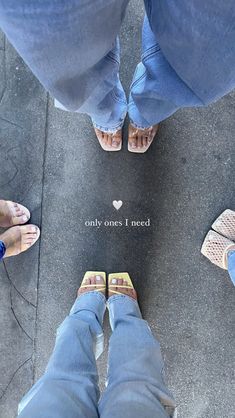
[[12, 213], [121, 284], [93, 281], [109, 141], [19, 238], [216, 248], [225, 224], [139, 140]]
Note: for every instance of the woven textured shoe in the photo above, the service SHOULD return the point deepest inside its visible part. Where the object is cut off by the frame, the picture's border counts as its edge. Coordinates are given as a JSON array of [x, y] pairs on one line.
[[216, 247], [225, 224]]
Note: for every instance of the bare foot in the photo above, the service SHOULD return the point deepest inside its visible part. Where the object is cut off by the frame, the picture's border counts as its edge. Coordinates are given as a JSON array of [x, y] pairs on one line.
[[109, 141], [12, 213], [117, 285], [94, 283], [139, 140], [19, 238]]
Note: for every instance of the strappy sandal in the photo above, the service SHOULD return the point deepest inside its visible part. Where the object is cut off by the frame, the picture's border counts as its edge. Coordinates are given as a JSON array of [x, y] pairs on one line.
[[115, 136], [148, 133], [96, 287], [216, 247], [112, 287], [225, 224]]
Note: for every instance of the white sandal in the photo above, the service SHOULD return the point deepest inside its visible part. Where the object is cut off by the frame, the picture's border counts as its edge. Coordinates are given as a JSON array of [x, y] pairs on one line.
[[116, 136], [148, 133]]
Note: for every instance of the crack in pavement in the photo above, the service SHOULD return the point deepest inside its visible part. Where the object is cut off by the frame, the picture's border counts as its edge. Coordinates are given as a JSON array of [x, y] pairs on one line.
[[13, 375], [16, 318], [10, 122], [12, 284]]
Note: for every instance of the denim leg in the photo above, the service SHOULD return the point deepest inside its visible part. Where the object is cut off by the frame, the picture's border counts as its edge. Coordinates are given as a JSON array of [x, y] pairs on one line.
[[188, 58], [135, 385], [72, 48], [2, 249], [231, 265], [69, 387], [156, 91]]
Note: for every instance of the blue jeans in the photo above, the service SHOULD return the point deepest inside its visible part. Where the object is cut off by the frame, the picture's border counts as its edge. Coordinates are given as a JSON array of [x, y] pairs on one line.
[[188, 55], [2, 249], [231, 265], [135, 385]]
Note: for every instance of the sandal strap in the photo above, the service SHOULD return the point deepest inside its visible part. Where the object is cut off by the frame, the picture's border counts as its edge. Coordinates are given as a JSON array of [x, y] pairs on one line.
[[117, 293], [92, 285], [121, 287], [97, 290]]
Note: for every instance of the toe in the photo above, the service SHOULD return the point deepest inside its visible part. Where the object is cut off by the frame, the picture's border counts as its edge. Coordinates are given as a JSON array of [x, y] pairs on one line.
[[30, 231], [19, 219], [114, 282], [139, 142], [109, 142], [23, 219], [98, 279], [105, 138], [115, 143], [145, 141], [19, 212], [92, 280], [24, 211], [29, 236], [133, 143]]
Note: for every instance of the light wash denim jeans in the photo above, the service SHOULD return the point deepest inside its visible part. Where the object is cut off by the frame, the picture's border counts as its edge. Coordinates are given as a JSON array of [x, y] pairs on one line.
[[231, 265], [188, 55], [135, 385]]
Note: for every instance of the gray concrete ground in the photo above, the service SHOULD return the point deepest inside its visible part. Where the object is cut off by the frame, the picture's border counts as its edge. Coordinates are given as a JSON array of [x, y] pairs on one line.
[[51, 161]]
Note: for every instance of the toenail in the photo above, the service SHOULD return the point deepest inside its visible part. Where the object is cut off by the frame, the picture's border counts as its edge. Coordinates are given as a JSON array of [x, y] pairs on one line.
[[24, 218], [114, 281]]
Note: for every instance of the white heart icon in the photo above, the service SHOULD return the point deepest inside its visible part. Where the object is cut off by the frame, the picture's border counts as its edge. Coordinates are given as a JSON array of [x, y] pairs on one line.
[[117, 204]]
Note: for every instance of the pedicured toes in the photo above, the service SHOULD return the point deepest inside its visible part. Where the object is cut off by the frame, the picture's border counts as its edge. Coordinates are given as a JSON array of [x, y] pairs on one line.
[[115, 144], [19, 238], [92, 283]]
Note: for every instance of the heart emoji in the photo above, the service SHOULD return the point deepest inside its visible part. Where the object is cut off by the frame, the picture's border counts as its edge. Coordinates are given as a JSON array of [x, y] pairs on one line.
[[117, 204]]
